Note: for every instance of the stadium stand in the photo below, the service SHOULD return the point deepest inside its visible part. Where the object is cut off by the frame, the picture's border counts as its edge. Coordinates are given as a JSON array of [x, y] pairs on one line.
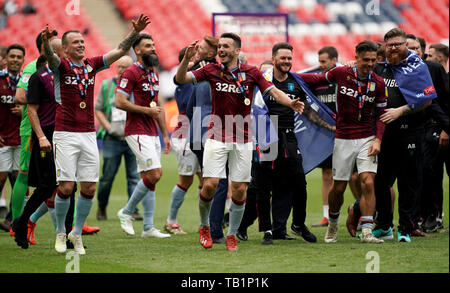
[[23, 29], [312, 23], [173, 26]]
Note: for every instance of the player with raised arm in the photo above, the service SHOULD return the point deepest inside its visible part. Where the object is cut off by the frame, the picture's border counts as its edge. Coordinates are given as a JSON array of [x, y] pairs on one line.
[[74, 140], [137, 94], [360, 91], [232, 85]]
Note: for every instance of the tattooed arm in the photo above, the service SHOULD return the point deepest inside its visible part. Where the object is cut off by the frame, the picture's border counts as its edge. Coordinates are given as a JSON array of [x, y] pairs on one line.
[[123, 48], [52, 58], [314, 117], [393, 114]]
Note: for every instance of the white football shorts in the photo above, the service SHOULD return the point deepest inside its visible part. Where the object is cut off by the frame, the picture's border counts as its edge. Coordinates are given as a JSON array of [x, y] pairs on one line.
[[187, 161], [348, 151], [147, 150], [238, 155], [76, 156], [9, 158]]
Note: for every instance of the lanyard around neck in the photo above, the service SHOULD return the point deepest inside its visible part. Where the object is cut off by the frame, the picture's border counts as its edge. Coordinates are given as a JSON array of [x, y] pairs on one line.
[[50, 72], [360, 95], [83, 89], [238, 79], [12, 85], [151, 77]]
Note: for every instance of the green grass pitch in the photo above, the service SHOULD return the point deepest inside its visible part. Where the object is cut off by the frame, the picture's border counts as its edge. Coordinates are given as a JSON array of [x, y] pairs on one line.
[[111, 251]]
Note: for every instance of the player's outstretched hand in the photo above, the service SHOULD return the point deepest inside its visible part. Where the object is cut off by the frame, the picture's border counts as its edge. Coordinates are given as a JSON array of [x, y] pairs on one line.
[[141, 23], [191, 50], [297, 105], [47, 33]]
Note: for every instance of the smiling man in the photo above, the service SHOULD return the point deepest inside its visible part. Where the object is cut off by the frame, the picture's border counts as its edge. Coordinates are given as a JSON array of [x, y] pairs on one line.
[[232, 86], [74, 140], [401, 151], [137, 94], [360, 91], [283, 179], [10, 113]]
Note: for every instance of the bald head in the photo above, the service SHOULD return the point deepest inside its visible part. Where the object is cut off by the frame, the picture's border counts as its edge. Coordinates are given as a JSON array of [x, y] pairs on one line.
[[57, 47], [242, 57], [123, 63]]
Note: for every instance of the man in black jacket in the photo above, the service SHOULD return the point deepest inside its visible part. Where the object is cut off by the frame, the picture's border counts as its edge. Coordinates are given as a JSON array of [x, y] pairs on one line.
[[429, 208]]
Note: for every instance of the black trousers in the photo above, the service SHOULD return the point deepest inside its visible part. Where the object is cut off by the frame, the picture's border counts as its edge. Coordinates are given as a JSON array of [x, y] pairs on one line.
[[282, 180], [434, 160], [400, 159], [12, 180], [251, 210]]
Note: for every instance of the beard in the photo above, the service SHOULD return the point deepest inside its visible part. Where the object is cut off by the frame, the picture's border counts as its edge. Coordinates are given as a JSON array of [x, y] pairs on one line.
[[282, 68], [396, 57], [150, 60]]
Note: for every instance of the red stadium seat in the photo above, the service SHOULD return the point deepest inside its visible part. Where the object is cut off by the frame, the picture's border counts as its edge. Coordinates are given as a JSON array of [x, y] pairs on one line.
[[303, 14], [320, 13]]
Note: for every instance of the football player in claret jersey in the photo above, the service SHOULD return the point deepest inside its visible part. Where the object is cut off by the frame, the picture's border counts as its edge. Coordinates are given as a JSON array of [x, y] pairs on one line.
[[232, 85], [359, 92], [10, 120], [137, 94], [74, 140]]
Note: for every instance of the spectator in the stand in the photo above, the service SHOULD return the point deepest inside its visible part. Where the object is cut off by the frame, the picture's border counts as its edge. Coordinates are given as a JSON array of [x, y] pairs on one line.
[[3, 19], [28, 7], [10, 7]]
